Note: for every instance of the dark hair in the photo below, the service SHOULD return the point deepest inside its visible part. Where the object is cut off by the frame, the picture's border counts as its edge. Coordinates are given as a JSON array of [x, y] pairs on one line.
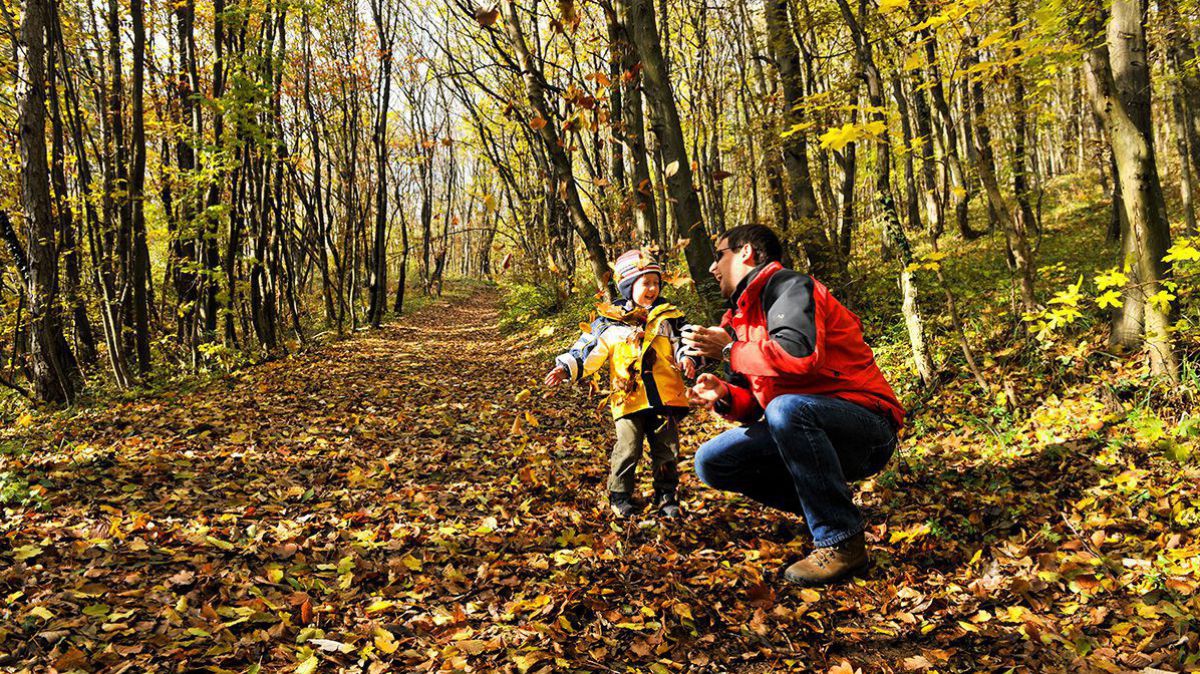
[[762, 239]]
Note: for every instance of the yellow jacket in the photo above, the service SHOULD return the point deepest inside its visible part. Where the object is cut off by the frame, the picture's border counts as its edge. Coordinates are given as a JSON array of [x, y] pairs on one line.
[[641, 348]]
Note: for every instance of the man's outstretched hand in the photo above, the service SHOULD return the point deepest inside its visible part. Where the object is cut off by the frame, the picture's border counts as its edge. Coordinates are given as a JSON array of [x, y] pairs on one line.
[[706, 342], [708, 390]]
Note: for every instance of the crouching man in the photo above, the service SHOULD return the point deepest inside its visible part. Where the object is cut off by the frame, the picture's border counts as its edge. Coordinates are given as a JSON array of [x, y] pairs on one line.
[[817, 412]]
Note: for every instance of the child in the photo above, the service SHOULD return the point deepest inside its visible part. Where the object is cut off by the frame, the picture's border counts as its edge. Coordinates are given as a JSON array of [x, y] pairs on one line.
[[639, 338]]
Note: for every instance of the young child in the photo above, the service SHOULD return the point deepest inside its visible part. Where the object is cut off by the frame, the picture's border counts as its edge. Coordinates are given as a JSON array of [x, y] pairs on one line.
[[639, 338]]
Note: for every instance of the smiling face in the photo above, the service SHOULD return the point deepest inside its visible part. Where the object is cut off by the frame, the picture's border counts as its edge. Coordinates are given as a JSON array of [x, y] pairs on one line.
[[731, 266], [646, 289]]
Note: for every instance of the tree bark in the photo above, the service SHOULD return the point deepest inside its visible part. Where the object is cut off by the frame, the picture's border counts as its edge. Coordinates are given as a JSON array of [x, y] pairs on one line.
[[805, 227], [54, 372], [680, 188], [1124, 96], [563, 178]]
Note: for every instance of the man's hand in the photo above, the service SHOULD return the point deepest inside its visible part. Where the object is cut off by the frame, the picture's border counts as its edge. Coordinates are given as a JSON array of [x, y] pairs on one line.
[[708, 391], [556, 376], [707, 342]]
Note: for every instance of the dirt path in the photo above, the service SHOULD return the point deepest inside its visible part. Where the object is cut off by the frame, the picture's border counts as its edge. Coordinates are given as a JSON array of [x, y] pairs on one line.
[[367, 507]]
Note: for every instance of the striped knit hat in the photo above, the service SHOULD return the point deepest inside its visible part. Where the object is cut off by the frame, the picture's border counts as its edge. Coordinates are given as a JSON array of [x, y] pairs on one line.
[[631, 265]]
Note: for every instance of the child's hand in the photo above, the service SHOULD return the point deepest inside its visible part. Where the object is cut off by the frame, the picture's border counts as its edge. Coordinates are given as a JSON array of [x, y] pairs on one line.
[[556, 376], [688, 367]]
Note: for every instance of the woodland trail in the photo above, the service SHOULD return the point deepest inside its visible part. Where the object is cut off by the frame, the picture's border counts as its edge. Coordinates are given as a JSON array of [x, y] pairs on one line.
[[367, 506]]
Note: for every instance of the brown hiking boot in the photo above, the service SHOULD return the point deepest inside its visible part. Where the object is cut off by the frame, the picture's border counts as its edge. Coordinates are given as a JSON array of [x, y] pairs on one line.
[[826, 565]]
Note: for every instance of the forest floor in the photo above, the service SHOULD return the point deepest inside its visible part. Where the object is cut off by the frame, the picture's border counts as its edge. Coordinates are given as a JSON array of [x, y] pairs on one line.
[[413, 500]]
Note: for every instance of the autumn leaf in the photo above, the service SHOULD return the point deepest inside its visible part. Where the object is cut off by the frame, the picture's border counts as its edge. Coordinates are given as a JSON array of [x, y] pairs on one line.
[[537, 123], [487, 16], [671, 169]]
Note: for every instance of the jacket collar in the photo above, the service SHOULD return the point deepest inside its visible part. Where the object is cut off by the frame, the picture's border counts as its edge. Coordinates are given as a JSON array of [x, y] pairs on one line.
[[753, 282]]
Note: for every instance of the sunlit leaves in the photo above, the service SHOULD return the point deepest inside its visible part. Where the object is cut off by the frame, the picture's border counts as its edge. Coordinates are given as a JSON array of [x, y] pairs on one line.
[[1111, 278], [1110, 298], [839, 137], [1183, 251]]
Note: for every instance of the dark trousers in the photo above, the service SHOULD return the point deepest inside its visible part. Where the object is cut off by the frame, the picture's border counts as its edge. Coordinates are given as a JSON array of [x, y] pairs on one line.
[[662, 434], [801, 458]]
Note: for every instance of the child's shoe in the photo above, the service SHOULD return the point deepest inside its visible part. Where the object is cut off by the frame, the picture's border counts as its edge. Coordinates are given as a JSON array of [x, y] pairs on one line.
[[621, 504], [667, 504]]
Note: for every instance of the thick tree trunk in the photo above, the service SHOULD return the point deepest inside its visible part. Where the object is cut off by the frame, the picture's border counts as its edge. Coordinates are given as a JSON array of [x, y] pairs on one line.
[[54, 372], [1124, 96]]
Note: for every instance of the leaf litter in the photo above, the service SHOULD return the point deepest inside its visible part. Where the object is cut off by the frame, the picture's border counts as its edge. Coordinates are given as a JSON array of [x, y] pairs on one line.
[[411, 501]]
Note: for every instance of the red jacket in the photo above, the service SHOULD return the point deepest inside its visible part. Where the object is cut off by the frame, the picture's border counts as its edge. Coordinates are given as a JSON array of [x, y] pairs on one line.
[[794, 337]]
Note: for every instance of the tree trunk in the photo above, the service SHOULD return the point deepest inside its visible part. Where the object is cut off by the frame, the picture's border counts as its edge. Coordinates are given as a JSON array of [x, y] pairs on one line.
[[680, 188], [140, 254], [378, 276], [805, 230], [893, 229], [563, 179], [54, 372], [1124, 96]]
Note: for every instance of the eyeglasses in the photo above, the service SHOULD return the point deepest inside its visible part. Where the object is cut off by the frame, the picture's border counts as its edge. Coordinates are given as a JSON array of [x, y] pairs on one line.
[[721, 253]]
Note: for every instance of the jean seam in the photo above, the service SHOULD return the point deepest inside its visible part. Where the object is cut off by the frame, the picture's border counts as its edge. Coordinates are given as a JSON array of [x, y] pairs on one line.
[[788, 461], [841, 538]]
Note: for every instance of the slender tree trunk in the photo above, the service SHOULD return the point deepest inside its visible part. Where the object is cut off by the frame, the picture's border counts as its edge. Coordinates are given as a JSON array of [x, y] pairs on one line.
[[378, 276], [893, 229], [684, 200], [563, 178], [805, 230], [140, 262]]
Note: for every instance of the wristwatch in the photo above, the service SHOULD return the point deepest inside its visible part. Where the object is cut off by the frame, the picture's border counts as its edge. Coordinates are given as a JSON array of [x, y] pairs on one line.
[[727, 350]]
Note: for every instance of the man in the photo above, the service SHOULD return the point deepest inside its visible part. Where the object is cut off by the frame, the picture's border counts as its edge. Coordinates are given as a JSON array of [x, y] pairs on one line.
[[818, 413]]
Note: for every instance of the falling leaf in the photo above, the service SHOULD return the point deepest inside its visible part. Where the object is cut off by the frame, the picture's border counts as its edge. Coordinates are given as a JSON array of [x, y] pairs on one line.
[[486, 16], [537, 123], [522, 396], [672, 169]]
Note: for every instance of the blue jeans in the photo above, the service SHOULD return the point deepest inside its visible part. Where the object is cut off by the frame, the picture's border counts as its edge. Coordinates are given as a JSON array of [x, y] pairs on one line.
[[800, 458]]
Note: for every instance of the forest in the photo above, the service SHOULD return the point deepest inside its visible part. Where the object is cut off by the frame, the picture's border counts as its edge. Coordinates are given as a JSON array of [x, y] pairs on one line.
[[280, 278]]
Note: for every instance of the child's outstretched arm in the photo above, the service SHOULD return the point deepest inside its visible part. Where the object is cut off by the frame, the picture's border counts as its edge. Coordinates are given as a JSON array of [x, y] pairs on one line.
[[586, 355]]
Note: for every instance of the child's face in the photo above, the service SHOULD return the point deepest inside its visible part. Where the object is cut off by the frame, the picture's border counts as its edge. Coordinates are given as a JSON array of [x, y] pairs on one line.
[[645, 289]]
